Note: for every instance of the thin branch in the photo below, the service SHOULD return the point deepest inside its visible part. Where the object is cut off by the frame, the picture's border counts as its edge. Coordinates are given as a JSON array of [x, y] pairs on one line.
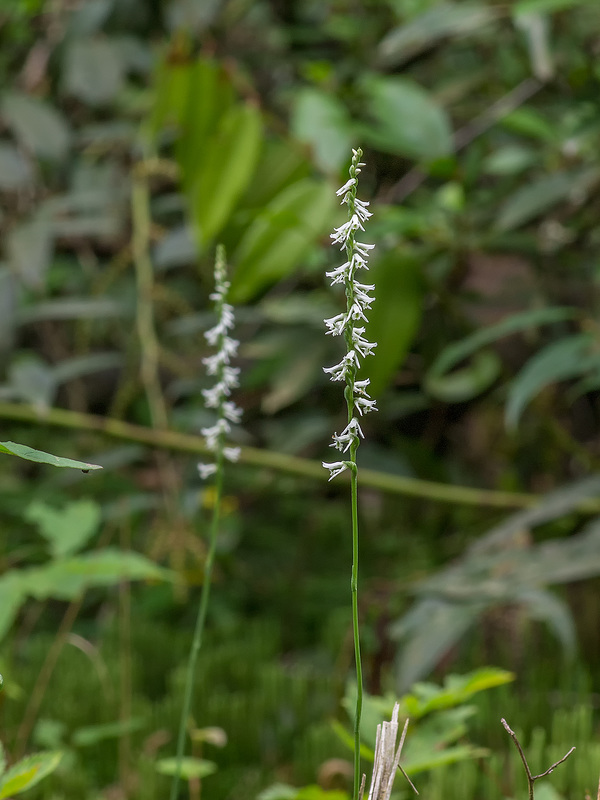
[[280, 462], [531, 779]]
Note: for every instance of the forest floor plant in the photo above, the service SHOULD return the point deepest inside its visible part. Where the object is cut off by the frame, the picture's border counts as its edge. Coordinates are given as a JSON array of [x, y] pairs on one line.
[[349, 325], [219, 366]]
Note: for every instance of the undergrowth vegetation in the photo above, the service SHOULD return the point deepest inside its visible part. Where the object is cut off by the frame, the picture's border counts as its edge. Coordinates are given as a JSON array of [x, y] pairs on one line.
[[140, 138]]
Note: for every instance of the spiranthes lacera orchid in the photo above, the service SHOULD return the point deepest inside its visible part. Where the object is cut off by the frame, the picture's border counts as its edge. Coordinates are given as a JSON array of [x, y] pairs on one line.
[[219, 366], [351, 325], [228, 414]]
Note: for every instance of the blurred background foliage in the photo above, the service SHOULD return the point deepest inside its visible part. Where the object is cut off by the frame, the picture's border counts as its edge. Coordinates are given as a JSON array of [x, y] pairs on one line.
[[134, 136]]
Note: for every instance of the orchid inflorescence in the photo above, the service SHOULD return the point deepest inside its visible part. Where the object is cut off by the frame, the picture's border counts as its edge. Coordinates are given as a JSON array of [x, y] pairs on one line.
[[349, 324], [219, 365]]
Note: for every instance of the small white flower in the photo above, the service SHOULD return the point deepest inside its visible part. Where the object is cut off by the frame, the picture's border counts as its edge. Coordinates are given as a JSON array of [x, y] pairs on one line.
[[232, 453], [339, 274], [335, 468], [336, 324], [363, 405], [360, 387], [206, 470], [232, 412], [343, 189], [361, 345]]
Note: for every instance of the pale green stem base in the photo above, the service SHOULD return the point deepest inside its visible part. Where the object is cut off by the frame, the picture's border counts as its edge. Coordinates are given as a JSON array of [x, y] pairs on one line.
[[199, 629]]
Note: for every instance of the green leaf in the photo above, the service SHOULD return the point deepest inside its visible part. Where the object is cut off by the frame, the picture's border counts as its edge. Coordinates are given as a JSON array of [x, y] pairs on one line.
[[15, 170], [92, 734], [12, 597], [395, 315], [93, 70], [320, 120], [549, 608], [227, 169], [405, 120], [27, 772], [538, 196], [2, 754], [568, 358], [30, 248], [443, 20], [466, 383], [428, 631], [426, 698], [67, 529], [39, 126], [525, 320], [280, 237], [278, 791], [67, 579], [190, 767], [29, 454], [209, 98]]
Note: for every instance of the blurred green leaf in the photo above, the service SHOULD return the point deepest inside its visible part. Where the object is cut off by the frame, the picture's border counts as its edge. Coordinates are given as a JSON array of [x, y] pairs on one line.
[[569, 357], [442, 20], [30, 247], [93, 734], [27, 772], [229, 163], [395, 314], [93, 71], [280, 237], [190, 767], [529, 201], [466, 383], [16, 171], [40, 127], [67, 529], [320, 120], [523, 7], [405, 119], [456, 352]]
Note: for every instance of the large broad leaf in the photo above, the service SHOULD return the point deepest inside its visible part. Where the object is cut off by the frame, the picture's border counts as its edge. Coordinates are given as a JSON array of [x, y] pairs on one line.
[[67, 529], [230, 161], [321, 120], [281, 236], [209, 98], [442, 20], [465, 383], [547, 607], [395, 315], [405, 119], [39, 126], [29, 454], [567, 358], [27, 772], [536, 197]]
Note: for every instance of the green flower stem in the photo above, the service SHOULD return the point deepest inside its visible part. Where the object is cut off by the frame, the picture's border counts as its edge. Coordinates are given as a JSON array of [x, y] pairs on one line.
[[355, 625], [200, 623]]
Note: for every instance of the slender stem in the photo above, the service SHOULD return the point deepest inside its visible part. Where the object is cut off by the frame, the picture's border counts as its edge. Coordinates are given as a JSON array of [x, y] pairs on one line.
[[200, 622], [355, 625]]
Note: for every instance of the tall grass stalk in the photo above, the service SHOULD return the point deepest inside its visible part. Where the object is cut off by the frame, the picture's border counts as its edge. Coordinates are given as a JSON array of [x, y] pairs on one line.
[[217, 365], [348, 324]]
